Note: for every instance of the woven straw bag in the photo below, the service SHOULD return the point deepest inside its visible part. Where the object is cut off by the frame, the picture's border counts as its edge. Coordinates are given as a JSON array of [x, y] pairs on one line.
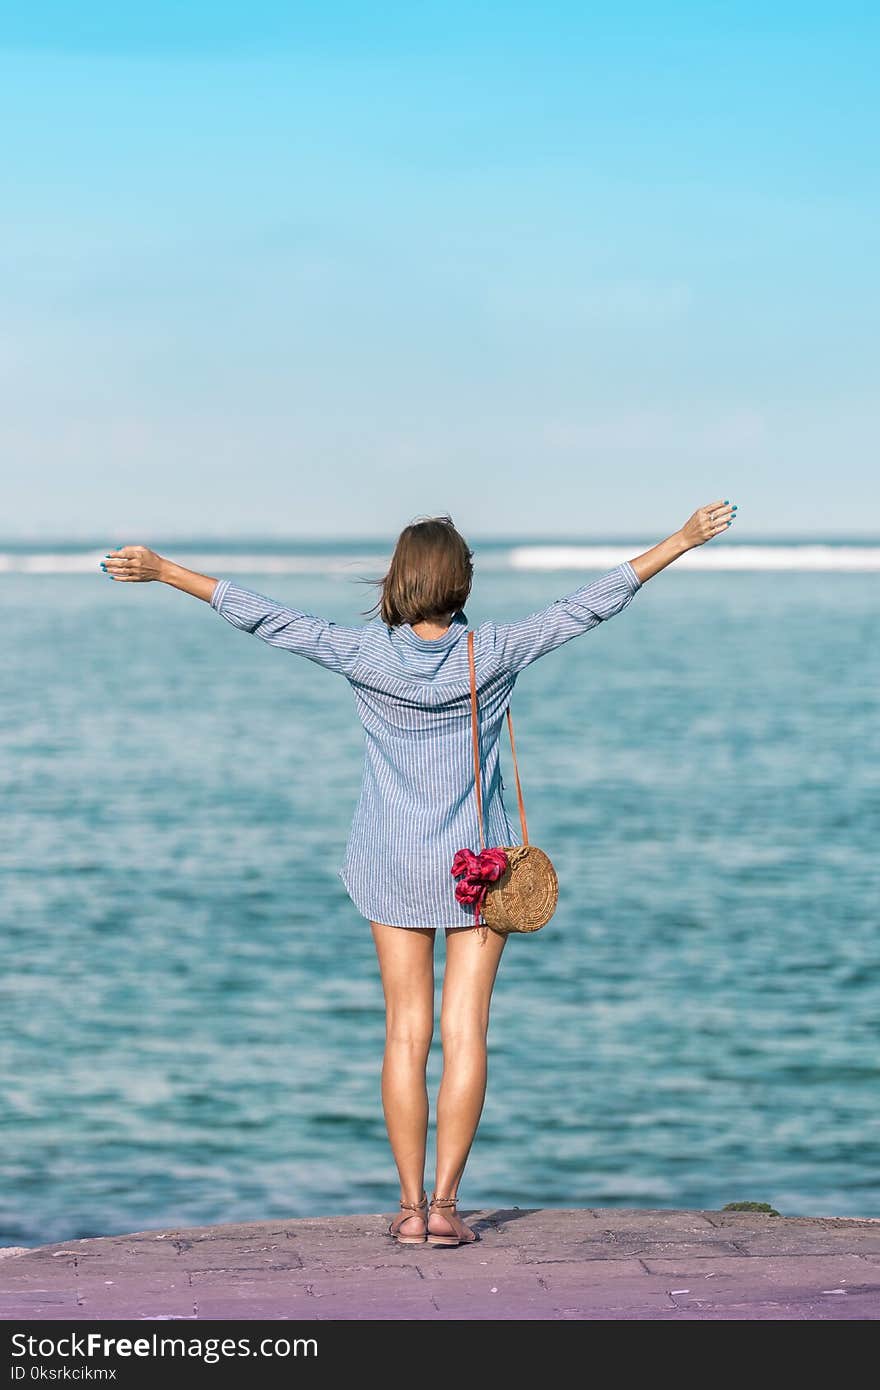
[[515, 886]]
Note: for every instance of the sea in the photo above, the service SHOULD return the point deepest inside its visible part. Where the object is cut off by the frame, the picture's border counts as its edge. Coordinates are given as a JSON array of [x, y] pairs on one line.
[[191, 1019]]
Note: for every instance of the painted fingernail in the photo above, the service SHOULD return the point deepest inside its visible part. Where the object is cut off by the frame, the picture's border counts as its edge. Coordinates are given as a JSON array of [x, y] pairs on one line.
[[726, 500]]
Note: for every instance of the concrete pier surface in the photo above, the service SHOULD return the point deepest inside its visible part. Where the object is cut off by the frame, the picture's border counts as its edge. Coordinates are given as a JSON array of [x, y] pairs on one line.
[[541, 1265]]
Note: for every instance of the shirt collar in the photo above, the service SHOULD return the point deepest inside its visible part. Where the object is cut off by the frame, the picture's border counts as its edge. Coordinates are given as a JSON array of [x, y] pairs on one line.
[[451, 635]]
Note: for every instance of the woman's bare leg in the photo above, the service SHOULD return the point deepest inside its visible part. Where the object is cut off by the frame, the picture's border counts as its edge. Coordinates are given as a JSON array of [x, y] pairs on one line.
[[471, 966], [406, 963]]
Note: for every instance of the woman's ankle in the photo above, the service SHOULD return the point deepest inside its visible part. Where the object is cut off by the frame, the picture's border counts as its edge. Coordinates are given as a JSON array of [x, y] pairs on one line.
[[411, 1198], [447, 1188]]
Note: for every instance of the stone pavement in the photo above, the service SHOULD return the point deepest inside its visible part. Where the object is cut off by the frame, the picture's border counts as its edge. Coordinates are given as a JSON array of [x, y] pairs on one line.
[[593, 1264]]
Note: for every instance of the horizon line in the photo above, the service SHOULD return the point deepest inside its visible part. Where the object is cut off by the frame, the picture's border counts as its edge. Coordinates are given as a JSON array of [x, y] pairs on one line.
[[512, 538]]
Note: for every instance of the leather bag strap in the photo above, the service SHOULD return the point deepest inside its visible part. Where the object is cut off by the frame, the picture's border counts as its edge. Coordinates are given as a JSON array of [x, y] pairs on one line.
[[475, 728]]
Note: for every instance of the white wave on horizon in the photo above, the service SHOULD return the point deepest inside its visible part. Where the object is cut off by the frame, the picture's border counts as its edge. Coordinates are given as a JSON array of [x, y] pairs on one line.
[[705, 557], [798, 556], [79, 562]]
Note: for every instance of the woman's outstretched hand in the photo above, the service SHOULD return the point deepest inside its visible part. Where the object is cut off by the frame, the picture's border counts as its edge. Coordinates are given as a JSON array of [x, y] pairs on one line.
[[134, 563], [137, 564], [707, 522]]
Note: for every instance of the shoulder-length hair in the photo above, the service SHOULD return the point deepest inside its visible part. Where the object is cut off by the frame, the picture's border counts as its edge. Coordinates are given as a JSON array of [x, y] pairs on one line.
[[430, 574]]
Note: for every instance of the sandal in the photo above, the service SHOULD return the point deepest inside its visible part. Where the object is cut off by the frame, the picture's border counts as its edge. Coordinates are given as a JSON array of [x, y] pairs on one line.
[[421, 1211], [445, 1208]]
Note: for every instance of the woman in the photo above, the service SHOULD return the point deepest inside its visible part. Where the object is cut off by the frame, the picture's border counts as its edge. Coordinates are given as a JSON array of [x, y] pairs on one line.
[[408, 669]]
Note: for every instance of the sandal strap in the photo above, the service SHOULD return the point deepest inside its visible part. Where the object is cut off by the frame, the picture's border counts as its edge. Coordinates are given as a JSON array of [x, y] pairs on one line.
[[419, 1206], [419, 1210], [446, 1207]]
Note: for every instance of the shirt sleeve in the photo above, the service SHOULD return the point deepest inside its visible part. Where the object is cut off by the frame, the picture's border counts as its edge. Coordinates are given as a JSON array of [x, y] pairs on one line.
[[518, 644], [328, 644]]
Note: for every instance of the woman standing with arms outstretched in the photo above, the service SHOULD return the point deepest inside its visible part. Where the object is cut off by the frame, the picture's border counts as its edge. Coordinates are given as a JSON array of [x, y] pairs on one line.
[[408, 669]]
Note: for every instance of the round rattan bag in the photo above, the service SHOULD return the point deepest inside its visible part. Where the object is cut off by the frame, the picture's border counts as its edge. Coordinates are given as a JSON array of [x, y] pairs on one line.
[[525, 896], [515, 886]]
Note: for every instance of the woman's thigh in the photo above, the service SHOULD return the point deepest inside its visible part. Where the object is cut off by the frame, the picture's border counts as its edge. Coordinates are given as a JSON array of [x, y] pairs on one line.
[[406, 964], [471, 968]]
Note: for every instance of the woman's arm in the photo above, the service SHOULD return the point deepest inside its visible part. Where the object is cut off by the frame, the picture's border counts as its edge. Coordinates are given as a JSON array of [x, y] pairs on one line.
[[328, 644], [517, 645], [705, 523]]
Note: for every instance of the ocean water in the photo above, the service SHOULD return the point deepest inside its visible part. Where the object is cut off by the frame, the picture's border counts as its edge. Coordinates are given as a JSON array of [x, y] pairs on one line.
[[191, 1018]]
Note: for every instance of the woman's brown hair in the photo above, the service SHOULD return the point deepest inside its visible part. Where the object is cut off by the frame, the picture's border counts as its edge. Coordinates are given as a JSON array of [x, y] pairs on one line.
[[429, 576]]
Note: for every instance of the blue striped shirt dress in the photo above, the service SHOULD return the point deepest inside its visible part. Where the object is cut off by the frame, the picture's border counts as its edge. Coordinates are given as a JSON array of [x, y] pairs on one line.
[[417, 804]]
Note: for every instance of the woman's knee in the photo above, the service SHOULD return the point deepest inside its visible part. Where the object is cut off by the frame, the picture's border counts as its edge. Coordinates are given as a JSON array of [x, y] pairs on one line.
[[411, 1029], [465, 1029]]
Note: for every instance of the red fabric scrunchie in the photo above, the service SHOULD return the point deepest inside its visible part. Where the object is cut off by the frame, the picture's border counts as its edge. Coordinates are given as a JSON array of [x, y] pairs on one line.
[[479, 871]]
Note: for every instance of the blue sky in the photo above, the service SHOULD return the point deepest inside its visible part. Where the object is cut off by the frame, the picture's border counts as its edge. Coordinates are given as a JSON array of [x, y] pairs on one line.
[[556, 269]]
